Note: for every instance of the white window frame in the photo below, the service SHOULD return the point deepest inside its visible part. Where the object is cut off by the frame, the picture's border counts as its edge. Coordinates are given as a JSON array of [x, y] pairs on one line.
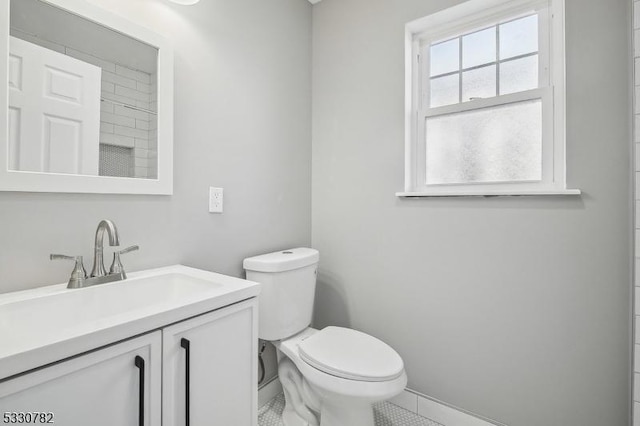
[[466, 18]]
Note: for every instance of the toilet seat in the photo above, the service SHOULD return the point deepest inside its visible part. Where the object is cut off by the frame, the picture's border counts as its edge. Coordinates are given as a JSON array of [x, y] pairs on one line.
[[351, 354], [330, 384]]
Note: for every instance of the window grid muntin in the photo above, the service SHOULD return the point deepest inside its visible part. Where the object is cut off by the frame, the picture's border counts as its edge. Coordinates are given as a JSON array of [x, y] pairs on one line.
[[497, 62], [442, 40], [475, 67]]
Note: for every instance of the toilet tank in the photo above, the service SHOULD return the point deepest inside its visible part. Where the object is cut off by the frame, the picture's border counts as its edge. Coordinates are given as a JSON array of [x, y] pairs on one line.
[[288, 281]]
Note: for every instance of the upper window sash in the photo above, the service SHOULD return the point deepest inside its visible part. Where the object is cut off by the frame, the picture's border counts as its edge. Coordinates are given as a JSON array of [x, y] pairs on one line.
[[423, 41]]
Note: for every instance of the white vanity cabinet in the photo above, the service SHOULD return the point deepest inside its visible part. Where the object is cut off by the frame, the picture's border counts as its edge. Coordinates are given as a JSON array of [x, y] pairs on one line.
[[101, 388], [201, 371], [210, 368], [81, 354]]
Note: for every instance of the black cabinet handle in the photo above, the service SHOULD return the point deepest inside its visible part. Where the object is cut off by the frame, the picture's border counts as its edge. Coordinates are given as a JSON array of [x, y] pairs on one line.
[[140, 364], [186, 344]]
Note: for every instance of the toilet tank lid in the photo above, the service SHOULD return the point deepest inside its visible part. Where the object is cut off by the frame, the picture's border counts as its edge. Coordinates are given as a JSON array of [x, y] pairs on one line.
[[280, 261]]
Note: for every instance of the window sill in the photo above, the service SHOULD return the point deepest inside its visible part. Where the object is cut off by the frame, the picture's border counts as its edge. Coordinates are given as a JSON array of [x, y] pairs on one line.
[[488, 193]]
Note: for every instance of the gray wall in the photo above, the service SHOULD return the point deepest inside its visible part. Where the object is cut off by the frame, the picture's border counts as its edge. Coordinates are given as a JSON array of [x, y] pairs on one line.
[[517, 309], [242, 122]]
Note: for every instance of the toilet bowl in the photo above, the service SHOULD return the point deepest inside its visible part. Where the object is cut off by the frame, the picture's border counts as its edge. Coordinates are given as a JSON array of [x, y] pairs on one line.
[[345, 372], [330, 377]]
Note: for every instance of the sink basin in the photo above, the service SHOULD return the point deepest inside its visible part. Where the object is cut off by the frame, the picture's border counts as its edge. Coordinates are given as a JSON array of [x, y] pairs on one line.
[[47, 324]]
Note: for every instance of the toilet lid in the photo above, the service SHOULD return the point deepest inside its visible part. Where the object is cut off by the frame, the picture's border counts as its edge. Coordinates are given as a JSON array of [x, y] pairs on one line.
[[351, 354]]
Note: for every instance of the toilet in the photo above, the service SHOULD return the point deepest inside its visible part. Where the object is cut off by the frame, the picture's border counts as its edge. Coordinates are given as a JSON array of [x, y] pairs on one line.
[[330, 377]]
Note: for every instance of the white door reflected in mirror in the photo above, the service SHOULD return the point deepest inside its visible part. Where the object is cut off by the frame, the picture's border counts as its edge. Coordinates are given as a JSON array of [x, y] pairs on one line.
[[54, 111]]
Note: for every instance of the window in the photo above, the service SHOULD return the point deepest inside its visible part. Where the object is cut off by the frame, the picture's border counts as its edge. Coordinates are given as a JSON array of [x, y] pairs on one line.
[[485, 100]]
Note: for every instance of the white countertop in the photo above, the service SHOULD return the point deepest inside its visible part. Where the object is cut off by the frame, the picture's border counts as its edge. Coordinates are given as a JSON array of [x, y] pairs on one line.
[[48, 324]]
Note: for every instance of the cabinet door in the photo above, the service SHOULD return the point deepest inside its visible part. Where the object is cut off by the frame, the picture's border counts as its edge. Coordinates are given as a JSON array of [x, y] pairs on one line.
[[210, 369], [101, 388]]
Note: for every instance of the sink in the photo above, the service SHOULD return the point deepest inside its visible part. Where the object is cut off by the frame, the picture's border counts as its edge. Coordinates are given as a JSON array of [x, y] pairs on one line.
[[50, 323]]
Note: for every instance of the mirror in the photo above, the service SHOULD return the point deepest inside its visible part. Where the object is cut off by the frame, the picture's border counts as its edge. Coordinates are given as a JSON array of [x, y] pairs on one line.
[[88, 102], [92, 98]]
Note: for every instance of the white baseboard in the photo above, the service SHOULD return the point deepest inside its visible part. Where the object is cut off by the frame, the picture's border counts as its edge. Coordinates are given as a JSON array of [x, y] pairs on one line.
[[438, 411], [268, 391], [415, 402]]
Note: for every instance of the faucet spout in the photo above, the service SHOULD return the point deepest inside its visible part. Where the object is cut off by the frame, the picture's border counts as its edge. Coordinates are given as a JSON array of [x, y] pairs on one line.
[[112, 232], [114, 240]]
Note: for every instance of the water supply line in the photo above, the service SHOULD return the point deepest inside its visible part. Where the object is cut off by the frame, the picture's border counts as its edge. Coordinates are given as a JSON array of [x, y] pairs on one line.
[[261, 362]]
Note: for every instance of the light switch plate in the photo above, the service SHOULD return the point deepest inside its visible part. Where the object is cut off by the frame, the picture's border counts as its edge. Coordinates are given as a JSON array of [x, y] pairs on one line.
[[216, 200]]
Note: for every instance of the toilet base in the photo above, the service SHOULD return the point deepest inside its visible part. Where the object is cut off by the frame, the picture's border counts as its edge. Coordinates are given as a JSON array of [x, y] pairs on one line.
[[302, 403], [341, 415]]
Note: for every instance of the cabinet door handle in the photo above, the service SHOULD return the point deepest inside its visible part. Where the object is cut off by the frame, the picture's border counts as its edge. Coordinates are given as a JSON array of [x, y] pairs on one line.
[[186, 344], [140, 364]]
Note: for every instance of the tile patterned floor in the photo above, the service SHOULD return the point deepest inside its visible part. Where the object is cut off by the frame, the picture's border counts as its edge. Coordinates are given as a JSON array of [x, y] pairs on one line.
[[386, 414]]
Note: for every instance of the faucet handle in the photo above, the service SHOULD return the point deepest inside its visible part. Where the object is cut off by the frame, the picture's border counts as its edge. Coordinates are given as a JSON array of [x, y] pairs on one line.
[[129, 249], [116, 265], [78, 275], [63, 257]]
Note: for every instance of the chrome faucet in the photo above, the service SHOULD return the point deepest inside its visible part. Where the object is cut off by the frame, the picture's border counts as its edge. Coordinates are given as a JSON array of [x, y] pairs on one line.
[[99, 273], [114, 240]]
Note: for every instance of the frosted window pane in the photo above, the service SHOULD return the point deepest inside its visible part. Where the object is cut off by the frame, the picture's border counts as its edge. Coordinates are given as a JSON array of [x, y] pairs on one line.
[[519, 75], [479, 83], [500, 144], [519, 37], [479, 48], [445, 90], [445, 57]]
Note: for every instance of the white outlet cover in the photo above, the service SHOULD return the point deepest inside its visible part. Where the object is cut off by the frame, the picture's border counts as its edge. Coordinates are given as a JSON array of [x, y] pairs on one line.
[[216, 200]]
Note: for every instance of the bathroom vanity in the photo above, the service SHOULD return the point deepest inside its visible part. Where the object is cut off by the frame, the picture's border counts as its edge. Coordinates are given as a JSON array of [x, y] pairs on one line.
[[171, 346]]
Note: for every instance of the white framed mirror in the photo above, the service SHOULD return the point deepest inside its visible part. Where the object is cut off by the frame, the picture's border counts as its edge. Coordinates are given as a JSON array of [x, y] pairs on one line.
[[87, 101]]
